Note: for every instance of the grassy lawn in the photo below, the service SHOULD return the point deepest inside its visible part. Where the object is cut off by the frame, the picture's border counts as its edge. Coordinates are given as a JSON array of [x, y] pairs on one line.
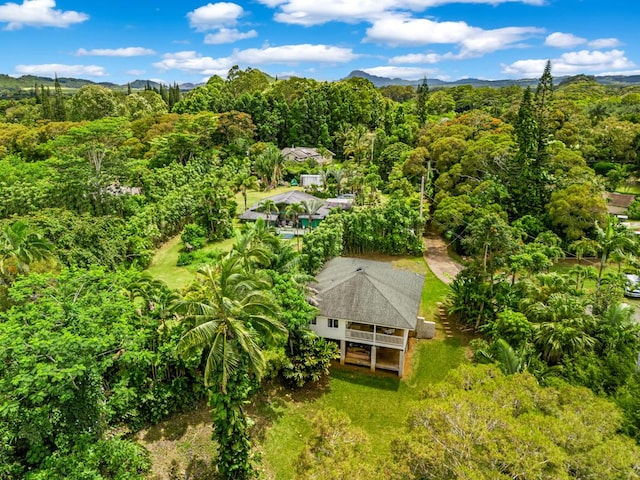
[[376, 403], [163, 265], [632, 188]]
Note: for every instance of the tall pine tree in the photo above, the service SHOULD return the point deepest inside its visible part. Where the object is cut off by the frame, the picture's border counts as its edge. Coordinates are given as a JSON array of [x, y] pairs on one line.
[[58, 110], [525, 176], [542, 101], [421, 100]]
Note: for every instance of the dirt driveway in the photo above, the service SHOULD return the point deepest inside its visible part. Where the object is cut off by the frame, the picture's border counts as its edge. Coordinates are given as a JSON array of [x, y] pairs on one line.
[[437, 257]]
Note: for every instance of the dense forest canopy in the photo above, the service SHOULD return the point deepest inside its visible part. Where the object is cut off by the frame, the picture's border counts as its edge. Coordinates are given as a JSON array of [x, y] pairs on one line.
[[513, 178]]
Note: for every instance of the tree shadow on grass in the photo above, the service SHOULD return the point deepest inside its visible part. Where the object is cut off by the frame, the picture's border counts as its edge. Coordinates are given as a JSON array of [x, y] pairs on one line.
[[274, 400], [175, 427], [196, 469], [363, 376]]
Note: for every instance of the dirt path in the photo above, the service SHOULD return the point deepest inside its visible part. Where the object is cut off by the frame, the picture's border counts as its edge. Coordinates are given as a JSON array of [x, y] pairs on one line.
[[437, 257]]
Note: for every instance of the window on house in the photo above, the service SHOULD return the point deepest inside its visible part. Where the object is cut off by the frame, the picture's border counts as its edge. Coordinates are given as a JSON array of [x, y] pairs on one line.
[[333, 323], [313, 321]]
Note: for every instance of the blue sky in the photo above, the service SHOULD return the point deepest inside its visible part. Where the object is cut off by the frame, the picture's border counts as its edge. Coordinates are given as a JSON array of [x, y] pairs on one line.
[[189, 41]]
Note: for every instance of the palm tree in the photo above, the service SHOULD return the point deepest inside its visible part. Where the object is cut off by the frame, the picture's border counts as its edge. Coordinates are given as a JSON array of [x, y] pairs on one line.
[[269, 206], [557, 339], [339, 176], [294, 210], [505, 356], [357, 144], [618, 331], [269, 165], [250, 254], [582, 273], [231, 318], [311, 207], [340, 137], [584, 246], [562, 325], [231, 314], [19, 248], [244, 181], [262, 234], [615, 239], [251, 248]]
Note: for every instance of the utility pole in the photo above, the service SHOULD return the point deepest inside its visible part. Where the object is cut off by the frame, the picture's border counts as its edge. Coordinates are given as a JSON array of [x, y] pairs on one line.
[[422, 182], [373, 141], [421, 195]]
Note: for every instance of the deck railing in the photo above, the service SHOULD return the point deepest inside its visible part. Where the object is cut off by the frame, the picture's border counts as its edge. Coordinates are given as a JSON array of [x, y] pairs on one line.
[[359, 335], [377, 338]]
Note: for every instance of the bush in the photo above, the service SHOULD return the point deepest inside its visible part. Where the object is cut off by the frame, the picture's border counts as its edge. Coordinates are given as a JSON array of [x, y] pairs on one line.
[[184, 258], [634, 210], [194, 236], [602, 168], [198, 257]]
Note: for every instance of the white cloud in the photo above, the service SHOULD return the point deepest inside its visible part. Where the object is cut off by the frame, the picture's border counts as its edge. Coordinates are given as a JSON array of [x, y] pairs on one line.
[[568, 40], [572, 63], [621, 72], [115, 52], [605, 43], [214, 15], [473, 41], [313, 12], [421, 58], [406, 73], [193, 62], [38, 13], [61, 70], [294, 54], [563, 40], [272, 3], [228, 35], [135, 72]]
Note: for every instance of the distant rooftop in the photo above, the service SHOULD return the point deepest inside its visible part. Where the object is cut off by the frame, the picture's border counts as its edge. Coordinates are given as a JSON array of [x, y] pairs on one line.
[[617, 203], [300, 154], [287, 198]]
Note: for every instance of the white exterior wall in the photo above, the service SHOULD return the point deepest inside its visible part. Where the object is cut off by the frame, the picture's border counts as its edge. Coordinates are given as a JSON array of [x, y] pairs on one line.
[[322, 328], [309, 180]]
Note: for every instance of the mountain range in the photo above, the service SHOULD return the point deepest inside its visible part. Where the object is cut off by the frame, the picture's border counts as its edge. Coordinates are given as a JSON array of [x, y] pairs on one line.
[[15, 87], [476, 82]]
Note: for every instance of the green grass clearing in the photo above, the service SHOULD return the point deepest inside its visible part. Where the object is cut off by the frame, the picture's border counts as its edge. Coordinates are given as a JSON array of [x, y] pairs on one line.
[[164, 267], [631, 187], [376, 403]]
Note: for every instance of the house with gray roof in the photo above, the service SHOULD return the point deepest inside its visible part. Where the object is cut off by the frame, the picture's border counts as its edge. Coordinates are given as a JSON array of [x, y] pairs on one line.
[[301, 154], [368, 308], [283, 200]]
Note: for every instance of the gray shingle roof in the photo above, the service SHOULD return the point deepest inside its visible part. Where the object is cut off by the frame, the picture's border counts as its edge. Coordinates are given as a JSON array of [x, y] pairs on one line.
[[300, 154], [369, 292], [286, 198]]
